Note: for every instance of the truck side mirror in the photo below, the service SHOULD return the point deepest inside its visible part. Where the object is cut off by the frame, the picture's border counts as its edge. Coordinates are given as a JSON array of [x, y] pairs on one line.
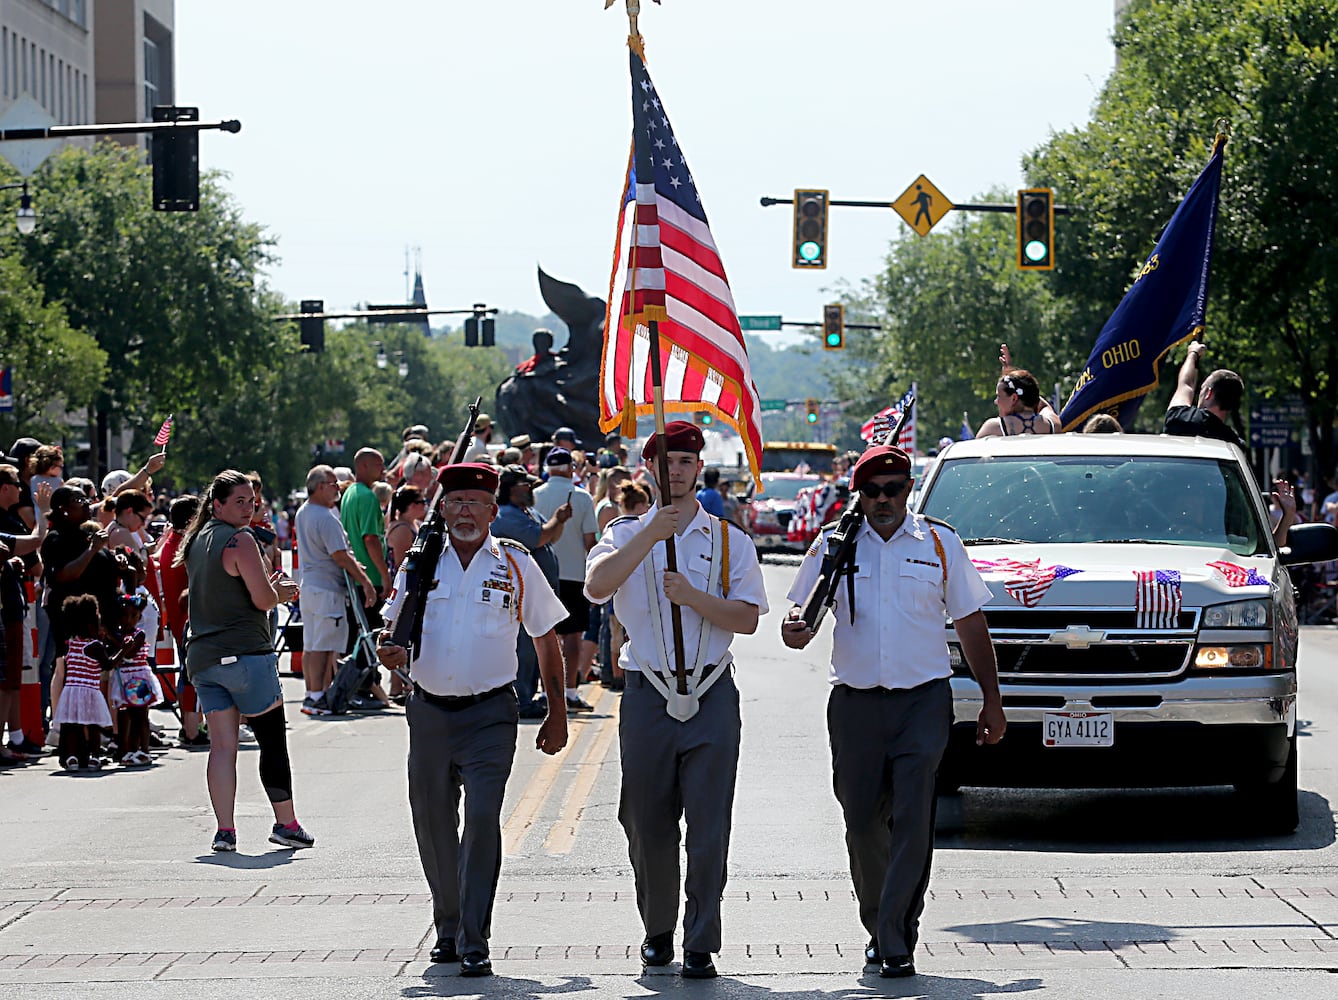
[[1309, 543]]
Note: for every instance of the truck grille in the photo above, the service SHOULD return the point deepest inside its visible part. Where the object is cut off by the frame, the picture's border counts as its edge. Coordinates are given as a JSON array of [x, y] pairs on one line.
[[1047, 620], [1048, 662]]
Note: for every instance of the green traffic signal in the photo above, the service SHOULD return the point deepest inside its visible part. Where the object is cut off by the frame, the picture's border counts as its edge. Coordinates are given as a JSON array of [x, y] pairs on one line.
[[1035, 229], [810, 229]]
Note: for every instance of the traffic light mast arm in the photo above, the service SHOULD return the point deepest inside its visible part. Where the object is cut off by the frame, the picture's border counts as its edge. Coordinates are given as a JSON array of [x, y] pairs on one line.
[[972, 207], [69, 131], [366, 313]]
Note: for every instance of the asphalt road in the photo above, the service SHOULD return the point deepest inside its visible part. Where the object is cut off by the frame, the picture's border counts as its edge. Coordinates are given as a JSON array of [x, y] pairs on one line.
[[107, 880]]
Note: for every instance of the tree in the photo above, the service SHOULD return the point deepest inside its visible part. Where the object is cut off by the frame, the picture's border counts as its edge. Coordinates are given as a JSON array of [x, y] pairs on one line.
[[55, 368], [174, 299], [1270, 68]]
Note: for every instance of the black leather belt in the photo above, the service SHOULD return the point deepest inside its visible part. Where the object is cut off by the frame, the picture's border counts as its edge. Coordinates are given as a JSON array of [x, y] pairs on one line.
[[453, 703]]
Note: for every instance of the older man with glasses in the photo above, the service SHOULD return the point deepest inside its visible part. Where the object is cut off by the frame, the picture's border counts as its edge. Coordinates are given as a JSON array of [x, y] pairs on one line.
[[890, 709]]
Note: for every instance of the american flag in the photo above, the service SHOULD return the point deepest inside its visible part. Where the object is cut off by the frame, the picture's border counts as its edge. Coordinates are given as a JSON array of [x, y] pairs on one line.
[[1239, 576], [164, 432], [667, 269], [1025, 582], [877, 427], [1158, 599]]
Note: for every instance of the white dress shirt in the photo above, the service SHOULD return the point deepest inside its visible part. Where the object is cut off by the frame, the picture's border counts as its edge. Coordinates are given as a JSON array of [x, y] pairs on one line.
[[631, 602], [899, 639], [469, 624]]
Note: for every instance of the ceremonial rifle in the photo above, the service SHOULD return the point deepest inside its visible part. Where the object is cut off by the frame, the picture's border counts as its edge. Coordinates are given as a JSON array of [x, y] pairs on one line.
[[839, 559], [420, 562]]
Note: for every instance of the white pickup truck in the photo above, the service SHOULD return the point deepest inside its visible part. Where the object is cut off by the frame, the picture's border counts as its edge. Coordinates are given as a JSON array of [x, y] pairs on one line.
[[1142, 617]]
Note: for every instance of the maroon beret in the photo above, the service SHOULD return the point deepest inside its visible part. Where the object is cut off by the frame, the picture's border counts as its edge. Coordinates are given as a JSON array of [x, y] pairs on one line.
[[469, 476], [679, 435], [882, 461]]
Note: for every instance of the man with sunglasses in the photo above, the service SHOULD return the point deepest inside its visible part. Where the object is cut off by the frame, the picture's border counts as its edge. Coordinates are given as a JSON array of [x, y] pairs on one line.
[[463, 712], [890, 709]]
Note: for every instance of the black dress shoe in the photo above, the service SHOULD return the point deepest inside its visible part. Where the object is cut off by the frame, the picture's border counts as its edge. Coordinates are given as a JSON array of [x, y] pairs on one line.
[[698, 965], [897, 966], [658, 949], [445, 951], [475, 963], [871, 952]]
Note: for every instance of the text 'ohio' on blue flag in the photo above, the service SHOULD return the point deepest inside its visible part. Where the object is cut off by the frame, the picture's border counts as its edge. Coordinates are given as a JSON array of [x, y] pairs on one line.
[[1164, 307]]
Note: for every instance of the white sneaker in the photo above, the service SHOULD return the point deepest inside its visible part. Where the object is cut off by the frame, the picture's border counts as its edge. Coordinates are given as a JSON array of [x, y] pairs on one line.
[[244, 734]]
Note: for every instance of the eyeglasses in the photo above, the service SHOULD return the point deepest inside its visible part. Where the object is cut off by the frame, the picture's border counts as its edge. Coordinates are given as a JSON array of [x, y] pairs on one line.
[[463, 504], [873, 491]]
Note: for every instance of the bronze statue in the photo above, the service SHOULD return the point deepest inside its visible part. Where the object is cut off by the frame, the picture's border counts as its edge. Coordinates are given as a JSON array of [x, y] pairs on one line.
[[558, 389]]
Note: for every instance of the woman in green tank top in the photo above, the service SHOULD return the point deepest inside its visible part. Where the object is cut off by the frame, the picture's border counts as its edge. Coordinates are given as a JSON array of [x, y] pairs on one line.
[[230, 654]]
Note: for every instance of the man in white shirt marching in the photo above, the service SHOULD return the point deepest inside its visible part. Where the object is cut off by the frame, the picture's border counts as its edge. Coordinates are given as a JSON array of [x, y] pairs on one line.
[[890, 709], [463, 713], [680, 753]]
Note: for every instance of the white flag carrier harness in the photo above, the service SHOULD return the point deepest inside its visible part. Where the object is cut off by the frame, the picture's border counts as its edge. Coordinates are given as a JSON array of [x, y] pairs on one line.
[[684, 706]]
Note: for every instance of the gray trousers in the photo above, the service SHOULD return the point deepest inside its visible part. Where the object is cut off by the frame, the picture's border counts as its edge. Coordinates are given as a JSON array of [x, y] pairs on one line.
[[473, 749], [677, 769], [886, 749]]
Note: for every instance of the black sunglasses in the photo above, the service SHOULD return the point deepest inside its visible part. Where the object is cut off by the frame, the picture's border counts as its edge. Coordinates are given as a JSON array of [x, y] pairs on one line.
[[873, 491]]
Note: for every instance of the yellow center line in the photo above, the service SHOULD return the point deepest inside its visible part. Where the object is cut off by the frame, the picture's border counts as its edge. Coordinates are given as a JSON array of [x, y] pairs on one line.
[[562, 836], [541, 784]]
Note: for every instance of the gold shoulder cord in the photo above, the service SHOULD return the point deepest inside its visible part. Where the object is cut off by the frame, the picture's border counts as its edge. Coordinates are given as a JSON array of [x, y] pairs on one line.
[[942, 556], [724, 560]]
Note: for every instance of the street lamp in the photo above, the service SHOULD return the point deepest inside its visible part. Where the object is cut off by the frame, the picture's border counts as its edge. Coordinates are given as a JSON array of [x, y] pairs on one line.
[[381, 360], [26, 218], [403, 366]]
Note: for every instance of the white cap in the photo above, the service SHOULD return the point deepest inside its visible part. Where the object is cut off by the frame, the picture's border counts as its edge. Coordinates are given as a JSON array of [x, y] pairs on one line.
[[114, 480]]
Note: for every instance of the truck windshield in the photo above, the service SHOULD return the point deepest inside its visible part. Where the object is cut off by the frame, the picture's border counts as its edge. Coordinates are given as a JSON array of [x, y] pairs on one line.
[[1076, 499]]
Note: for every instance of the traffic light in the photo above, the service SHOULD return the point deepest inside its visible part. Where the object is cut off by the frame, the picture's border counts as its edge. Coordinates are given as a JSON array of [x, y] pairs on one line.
[[1036, 229], [488, 331], [833, 327], [810, 229], [176, 161], [812, 406], [472, 330], [704, 418], [312, 328]]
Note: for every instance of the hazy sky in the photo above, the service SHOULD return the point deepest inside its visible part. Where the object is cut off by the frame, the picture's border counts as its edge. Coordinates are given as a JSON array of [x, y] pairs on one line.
[[494, 134]]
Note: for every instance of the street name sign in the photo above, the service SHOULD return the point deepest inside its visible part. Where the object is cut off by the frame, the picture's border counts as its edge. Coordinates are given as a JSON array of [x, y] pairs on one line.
[[774, 404], [922, 205], [759, 322]]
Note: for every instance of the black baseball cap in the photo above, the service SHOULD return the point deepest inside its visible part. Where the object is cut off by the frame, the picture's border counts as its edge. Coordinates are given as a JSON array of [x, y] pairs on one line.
[[514, 475]]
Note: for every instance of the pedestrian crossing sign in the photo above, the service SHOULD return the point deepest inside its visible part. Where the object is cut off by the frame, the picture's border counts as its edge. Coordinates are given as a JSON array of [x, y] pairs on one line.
[[922, 205]]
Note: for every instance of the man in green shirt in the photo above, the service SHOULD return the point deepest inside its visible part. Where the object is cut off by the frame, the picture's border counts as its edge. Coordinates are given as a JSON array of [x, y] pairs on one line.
[[365, 524]]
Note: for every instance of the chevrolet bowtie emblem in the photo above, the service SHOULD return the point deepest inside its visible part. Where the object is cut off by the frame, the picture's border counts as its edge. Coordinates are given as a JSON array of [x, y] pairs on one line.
[[1077, 637]]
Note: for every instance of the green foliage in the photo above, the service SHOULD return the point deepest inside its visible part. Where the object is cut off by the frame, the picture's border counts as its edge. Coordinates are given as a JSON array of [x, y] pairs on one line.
[[55, 367], [1268, 67]]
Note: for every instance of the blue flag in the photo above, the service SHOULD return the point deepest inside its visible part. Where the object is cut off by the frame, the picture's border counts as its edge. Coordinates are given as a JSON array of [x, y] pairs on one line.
[[1164, 307], [966, 434]]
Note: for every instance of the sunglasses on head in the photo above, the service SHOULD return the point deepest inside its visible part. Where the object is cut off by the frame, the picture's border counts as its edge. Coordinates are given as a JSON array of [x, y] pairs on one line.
[[873, 491]]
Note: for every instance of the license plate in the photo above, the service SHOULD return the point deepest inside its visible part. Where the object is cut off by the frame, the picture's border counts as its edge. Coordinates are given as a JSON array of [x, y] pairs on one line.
[[1078, 729]]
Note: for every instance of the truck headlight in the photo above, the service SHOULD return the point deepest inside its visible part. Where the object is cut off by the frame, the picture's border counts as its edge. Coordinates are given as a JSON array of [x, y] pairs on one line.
[[1239, 614], [1254, 656]]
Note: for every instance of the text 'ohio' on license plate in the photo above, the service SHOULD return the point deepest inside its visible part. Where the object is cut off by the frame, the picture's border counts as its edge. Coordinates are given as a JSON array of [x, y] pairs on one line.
[[1078, 729]]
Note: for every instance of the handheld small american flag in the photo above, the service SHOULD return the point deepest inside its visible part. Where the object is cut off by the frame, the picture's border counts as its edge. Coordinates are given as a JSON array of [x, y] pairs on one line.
[[1239, 576], [164, 432], [1157, 602], [667, 269], [877, 427]]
